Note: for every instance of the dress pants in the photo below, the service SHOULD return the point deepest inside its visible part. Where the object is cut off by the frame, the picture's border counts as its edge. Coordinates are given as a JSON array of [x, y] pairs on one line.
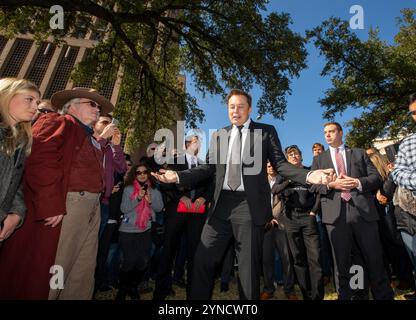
[[231, 219], [303, 236], [177, 224], [276, 238], [350, 227]]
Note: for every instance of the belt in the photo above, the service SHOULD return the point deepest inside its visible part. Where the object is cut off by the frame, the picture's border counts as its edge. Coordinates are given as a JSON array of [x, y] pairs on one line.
[[300, 210]]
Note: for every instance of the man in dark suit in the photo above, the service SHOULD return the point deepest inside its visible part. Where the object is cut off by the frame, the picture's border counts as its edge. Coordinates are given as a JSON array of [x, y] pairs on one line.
[[179, 223], [349, 213], [241, 205]]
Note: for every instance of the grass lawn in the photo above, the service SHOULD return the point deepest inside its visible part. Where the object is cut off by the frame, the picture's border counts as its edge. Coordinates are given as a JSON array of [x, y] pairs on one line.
[[232, 294]]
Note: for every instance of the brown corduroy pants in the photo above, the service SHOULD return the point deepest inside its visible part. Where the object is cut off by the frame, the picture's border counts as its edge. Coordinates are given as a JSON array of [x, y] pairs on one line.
[[77, 247]]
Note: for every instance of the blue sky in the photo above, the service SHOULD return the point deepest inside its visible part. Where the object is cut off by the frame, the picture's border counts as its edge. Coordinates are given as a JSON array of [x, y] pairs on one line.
[[303, 121]]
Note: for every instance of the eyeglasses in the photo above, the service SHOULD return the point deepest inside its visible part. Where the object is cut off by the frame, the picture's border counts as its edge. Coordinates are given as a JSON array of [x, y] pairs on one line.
[[92, 104], [412, 113], [141, 172]]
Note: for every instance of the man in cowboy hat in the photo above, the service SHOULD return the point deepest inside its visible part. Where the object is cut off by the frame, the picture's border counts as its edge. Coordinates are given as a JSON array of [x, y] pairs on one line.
[[54, 254]]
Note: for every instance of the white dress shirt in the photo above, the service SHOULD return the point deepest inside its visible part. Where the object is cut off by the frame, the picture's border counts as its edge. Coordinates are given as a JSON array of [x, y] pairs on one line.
[[234, 132], [344, 158], [190, 159]]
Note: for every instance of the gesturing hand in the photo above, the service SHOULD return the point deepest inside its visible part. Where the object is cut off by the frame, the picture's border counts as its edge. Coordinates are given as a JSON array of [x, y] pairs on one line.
[[321, 176], [166, 176]]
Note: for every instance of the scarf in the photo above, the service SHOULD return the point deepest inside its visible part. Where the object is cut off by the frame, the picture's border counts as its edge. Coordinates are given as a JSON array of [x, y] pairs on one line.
[[143, 210]]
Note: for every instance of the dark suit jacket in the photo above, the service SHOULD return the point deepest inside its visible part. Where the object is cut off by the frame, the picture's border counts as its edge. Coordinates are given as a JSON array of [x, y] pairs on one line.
[[173, 193], [358, 166], [265, 145]]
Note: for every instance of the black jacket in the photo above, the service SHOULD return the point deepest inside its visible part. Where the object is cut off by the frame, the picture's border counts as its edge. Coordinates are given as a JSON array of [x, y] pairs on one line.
[[263, 143]]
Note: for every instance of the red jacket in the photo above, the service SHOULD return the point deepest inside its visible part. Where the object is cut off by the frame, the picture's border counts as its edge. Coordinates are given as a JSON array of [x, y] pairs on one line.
[[26, 257]]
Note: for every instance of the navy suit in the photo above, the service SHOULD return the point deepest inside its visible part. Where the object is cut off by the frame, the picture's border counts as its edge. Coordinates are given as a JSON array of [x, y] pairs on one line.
[[355, 220]]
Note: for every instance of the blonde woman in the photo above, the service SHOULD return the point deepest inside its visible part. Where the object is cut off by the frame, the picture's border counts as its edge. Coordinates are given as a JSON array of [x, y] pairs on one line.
[[393, 225], [19, 99]]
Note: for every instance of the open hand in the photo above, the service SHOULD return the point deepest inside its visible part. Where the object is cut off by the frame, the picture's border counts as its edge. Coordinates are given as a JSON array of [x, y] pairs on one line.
[[165, 176], [321, 176]]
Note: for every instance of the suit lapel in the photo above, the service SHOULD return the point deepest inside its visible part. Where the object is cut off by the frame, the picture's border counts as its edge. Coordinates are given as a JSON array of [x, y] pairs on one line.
[[348, 159], [221, 167], [248, 143], [328, 160]]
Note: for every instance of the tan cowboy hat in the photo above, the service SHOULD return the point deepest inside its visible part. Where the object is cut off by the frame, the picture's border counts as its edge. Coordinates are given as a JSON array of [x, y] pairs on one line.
[[61, 97]]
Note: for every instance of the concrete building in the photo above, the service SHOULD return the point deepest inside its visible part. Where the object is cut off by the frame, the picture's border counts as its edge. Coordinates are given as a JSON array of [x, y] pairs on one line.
[[48, 65]]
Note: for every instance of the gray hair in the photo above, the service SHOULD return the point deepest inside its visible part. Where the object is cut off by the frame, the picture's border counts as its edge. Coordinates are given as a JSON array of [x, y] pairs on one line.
[[66, 106]]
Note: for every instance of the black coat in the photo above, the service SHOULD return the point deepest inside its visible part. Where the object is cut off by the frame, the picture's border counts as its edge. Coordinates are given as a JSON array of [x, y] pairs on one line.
[[263, 143]]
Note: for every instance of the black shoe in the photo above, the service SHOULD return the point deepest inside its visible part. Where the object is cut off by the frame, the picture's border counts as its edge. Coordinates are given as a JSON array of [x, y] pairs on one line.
[[105, 288], [410, 296], [171, 293], [179, 282], [134, 293], [224, 287], [121, 293], [123, 286]]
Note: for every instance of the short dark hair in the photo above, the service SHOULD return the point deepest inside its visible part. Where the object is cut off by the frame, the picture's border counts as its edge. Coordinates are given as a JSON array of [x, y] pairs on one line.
[[239, 92], [106, 115], [317, 144], [412, 98], [293, 147], [335, 124]]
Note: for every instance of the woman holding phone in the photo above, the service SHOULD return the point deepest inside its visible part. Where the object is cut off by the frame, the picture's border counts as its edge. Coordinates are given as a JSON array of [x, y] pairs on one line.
[[140, 202]]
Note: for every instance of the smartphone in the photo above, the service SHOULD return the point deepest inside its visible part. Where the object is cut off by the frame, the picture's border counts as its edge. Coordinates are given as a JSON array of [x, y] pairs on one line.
[[115, 122]]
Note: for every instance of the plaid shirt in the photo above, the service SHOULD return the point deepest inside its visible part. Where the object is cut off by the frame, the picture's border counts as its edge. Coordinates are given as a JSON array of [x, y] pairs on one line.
[[404, 173]]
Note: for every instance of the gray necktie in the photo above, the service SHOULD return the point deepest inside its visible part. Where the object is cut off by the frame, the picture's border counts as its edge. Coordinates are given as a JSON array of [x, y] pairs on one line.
[[234, 164]]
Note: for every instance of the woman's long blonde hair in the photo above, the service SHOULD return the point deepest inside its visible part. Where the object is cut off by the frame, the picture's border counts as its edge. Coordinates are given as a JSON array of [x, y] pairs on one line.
[[381, 163], [19, 135]]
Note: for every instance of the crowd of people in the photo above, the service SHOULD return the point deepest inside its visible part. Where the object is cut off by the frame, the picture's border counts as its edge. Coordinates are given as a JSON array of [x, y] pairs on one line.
[[78, 216]]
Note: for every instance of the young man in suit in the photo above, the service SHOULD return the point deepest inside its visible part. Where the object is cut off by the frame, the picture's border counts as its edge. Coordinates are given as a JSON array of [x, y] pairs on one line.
[[241, 203], [349, 212], [178, 223]]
